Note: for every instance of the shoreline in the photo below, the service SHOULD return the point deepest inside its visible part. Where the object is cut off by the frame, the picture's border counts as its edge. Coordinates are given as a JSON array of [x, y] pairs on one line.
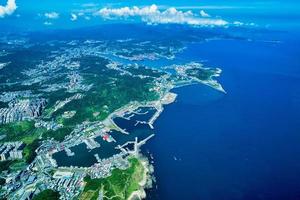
[[141, 193], [165, 97]]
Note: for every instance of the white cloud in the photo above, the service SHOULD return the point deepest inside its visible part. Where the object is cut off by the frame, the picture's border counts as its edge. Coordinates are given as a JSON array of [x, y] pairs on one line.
[[73, 17], [47, 23], [89, 5], [237, 23], [52, 15], [8, 9], [204, 14], [152, 15], [212, 7]]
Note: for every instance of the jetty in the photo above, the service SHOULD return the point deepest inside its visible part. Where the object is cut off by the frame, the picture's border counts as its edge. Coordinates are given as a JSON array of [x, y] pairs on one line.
[[159, 109], [136, 148], [69, 152]]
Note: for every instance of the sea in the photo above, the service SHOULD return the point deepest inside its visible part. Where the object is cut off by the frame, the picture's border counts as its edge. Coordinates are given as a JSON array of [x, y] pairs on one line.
[[242, 145]]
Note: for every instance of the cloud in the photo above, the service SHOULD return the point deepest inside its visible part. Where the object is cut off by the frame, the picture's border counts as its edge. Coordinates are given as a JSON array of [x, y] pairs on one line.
[[152, 15], [79, 15], [73, 17], [212, 7], [52, 15], [47, 23], [89, 5], [204, 14], [8, 9], [237, 23]]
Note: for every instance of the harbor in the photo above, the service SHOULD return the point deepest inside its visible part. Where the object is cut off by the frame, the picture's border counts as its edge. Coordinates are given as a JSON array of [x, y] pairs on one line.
[[104, 142]]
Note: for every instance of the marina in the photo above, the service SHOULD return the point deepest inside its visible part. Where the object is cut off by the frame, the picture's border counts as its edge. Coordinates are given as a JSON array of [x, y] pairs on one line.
[[93, 149]]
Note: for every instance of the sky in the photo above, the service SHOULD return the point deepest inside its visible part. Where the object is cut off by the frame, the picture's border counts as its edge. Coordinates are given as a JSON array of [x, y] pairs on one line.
[[271, 4], [74, 13]]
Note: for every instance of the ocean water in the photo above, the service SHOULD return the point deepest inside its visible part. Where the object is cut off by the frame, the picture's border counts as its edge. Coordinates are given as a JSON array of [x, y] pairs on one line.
[[239, 145]]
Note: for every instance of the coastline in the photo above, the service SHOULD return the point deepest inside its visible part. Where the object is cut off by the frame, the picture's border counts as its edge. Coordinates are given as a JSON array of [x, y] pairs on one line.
[[165, 97], [146, 181]]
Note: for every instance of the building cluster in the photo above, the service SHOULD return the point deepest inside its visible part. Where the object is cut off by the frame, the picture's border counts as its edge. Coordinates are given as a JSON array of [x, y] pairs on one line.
[[11, 150], [68, 182], [49, 125], [15, 181], [22, 109], [43, 162], [50, 69], [103, 167], [9, 96], [75, 83], [53, 87], [138, 51], [24, 185]]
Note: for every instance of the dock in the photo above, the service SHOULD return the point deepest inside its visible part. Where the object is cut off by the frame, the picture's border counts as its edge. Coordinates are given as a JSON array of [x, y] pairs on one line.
[[91, 143], [97, 158], [69, 152], [159, 109], [137, 145]]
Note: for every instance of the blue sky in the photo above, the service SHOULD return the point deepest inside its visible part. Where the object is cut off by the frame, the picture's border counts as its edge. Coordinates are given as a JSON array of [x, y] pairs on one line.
[[65, 4], [72, 13]]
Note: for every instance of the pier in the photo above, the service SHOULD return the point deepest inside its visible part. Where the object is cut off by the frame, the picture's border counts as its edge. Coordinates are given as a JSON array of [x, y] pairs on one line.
[[159, 109], [69, 152], [97, 158], [91, 143], [137, 145]]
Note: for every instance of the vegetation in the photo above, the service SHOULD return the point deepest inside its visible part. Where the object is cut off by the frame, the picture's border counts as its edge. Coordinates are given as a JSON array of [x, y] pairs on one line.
[[59, 134], [120, 185], [4, 165], [22, 131], [2, 181], [16, 130], [25, 131], [110, 91], [201, 73], [47, 195], [12, 165], [29, 151], [18, 165]]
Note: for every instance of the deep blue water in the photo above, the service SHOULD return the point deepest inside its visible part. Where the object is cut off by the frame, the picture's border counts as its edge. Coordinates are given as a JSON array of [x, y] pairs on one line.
[[239, 145]]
